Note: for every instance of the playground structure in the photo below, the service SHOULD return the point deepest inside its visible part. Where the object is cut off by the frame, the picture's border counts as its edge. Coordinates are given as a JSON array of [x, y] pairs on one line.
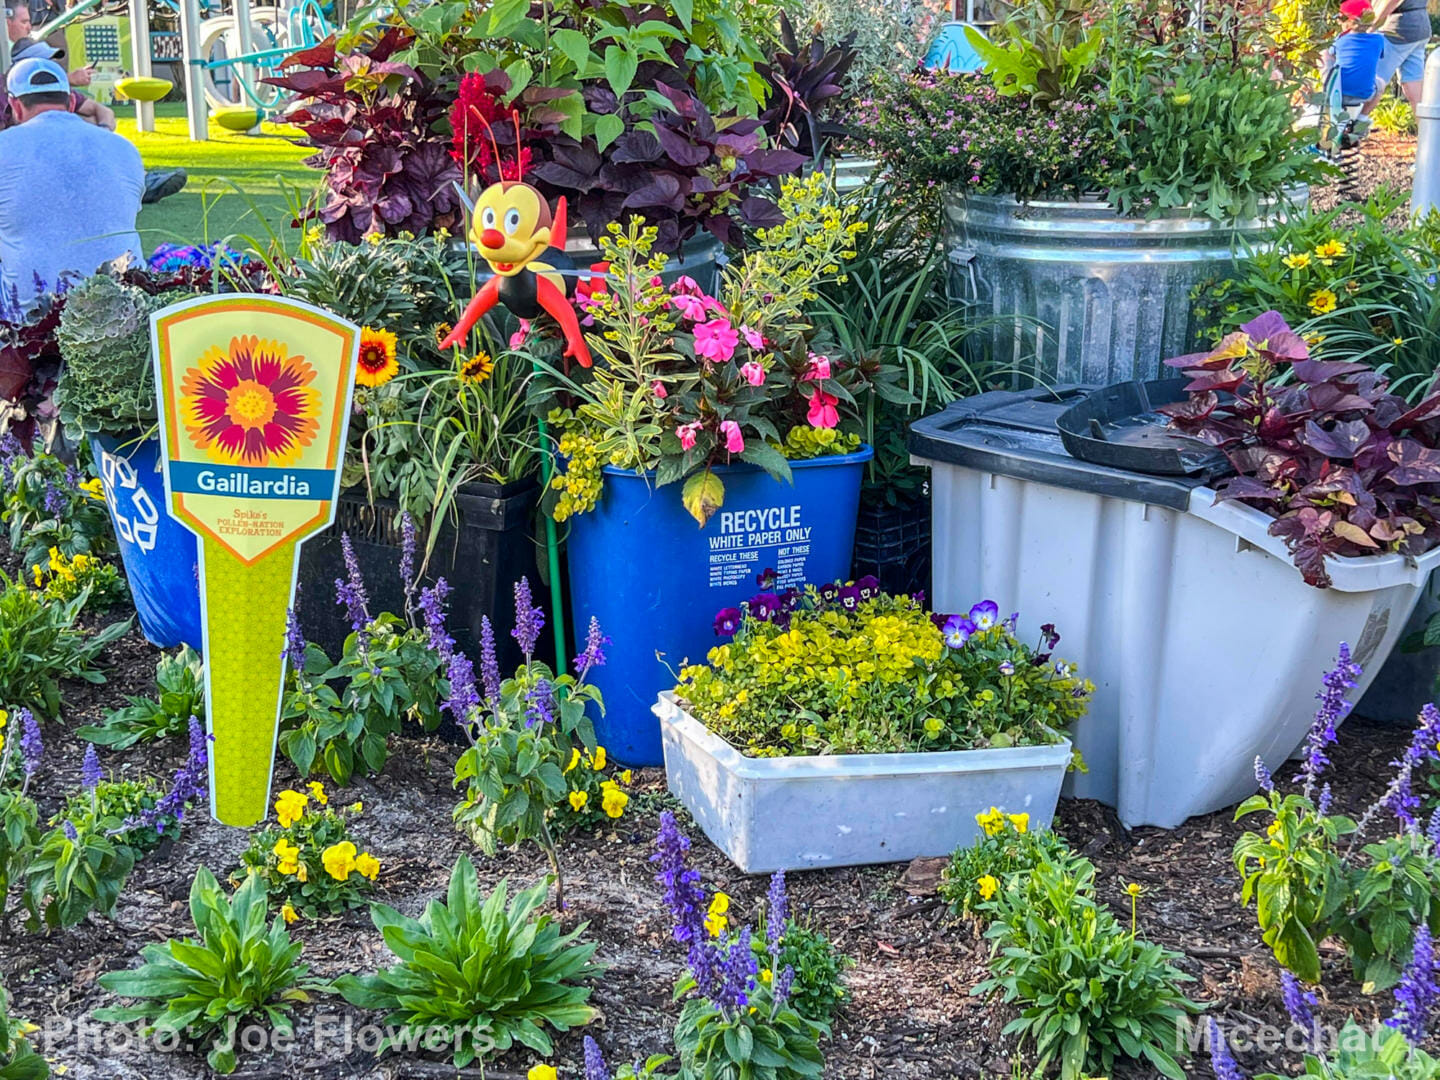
[[221, 56]]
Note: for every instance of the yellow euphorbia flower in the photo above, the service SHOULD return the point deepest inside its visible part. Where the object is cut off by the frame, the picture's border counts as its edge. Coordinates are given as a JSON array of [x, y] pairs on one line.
[[290, 807], [339, 860]]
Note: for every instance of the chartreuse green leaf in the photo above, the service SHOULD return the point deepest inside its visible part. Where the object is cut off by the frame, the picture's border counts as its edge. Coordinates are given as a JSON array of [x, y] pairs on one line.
[[702, 495]]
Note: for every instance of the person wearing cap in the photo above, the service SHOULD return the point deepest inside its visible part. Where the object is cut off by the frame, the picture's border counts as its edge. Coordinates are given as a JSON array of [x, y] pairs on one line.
[[1357, 52], [69, 191], [1406, 27]]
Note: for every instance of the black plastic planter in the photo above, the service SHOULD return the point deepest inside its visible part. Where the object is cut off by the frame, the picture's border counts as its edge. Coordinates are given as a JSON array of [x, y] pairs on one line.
[[481, 556], [893, 544]]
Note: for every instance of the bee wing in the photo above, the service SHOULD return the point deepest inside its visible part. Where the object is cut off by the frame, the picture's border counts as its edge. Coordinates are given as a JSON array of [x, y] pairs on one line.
[[468, 202]]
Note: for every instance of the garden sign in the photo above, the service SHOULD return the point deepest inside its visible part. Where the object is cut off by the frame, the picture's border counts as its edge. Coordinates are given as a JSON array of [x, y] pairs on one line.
[[254, 403]]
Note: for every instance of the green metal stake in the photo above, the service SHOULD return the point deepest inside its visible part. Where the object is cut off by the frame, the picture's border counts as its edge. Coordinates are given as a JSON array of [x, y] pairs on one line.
[[552, 551]]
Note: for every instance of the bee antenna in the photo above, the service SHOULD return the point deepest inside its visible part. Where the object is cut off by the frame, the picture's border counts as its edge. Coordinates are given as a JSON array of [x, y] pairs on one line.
[[519, 164], [495, 146]]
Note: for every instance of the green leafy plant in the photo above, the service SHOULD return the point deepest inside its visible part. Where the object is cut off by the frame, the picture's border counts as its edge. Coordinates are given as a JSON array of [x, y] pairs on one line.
[[1394, 116], [849, 669], [179, 695], [18, 1060], [204, 989], [1044, 49], [106, 384], [40, 646], [49, 508], [307, 860], [819, 968], [1362, 1054], [1090, 992], [1006, 846], [76, 869], [19, 816], [487, 972]]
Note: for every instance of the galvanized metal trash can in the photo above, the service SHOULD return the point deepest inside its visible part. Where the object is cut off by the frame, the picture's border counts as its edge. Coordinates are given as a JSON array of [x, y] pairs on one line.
[[1081, 294]]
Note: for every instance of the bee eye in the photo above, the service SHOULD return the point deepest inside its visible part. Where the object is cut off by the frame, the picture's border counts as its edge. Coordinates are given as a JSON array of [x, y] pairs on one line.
[[512, 220], [488, 217]]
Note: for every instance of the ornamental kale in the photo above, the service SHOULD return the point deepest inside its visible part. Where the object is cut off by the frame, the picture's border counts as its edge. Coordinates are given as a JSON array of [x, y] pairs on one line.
[[1344, 466]]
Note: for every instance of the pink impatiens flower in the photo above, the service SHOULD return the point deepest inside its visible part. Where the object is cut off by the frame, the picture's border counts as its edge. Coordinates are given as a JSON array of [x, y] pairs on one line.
[[753, 373], [752, 338], [822, 412], [734, 441], [716, 340], [517, 339], [658, 388], [690, 307], [819, 367], [686, 433]]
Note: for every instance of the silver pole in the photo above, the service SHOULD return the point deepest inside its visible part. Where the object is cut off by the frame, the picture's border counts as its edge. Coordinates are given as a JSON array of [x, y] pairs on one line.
[[1425, 194], [140, 59]]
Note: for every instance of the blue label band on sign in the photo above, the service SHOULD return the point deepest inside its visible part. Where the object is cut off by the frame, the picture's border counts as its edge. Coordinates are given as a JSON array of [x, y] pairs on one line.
[[238, 481]]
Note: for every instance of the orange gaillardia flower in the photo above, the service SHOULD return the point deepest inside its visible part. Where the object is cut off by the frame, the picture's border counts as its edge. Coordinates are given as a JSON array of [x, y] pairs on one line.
[[250, 404], [377, 363]]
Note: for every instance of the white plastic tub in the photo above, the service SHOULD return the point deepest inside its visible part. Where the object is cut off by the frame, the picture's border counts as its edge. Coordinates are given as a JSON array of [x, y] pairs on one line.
[[1205, 645], [805, 813]]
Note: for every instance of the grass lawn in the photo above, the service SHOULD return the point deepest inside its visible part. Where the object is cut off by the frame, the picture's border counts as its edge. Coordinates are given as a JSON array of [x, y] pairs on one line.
[[238, 183]]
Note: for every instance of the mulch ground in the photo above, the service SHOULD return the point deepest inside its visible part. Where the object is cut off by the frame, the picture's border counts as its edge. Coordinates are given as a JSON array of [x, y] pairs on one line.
[[911, 1013]]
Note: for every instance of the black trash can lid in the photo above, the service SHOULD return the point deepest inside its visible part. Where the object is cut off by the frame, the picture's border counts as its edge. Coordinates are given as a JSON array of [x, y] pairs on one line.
[[1015, 433], [1120, 426]]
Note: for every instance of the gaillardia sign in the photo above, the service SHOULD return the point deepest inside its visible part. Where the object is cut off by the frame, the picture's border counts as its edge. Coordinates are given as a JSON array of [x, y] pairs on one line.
[[254, 402]]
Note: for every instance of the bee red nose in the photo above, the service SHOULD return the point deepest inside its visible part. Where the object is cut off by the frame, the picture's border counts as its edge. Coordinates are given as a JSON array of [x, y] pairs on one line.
[[492, 238]]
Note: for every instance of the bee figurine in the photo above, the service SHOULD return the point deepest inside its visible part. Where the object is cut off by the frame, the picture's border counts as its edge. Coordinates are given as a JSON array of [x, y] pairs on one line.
[[514, 229]]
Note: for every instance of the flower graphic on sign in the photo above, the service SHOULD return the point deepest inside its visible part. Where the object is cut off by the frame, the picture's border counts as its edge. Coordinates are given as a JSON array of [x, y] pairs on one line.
[[251, 404]]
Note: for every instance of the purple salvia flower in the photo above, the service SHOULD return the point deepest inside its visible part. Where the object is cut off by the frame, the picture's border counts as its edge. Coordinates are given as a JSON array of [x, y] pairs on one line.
[[190, 785], [529, 619], [1221, 1060], [55, 501], [1333, 708], [1299, 1003], [1400, 798], [1262, 775], [541, 705], [90, 772], [1416, 994], [351, 590], [68, 828], [407, 559], [460, 673], [593, 655], [1432, 831], [1322, 807], [72, 477], [682, 892], [489, 665], [779, 905], [294, 651], [432, 607], [32, 747], [736, 975], [594, 1062], [784, 980]]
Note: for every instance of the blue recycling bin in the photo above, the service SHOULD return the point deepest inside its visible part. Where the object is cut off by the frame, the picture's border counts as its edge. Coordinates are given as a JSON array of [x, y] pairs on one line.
[[639, 563], [162, 562]]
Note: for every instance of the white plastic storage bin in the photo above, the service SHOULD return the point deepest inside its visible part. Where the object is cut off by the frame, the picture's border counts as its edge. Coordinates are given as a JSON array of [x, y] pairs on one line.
[[1205, 645], [806, 813]]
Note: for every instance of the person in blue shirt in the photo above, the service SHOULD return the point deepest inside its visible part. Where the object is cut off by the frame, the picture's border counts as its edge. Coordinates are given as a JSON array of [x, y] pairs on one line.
[[1356, 52]]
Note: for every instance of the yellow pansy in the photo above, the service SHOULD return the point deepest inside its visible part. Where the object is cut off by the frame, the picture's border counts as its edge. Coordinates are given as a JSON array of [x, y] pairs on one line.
[[1297, 262], [302, 873], [578, 799], [339, 860], [1021, 822], [766, 976], [317, 792], [288, 855], [39, 576], [356, 806], [541, 1072], [988, 886], [367, 866], [574, 758], [613, 801], [715, 920], [626, 777], [288, 913], [1322, 301], [992, 821], [290, 807], [93, 489], [599, 761]]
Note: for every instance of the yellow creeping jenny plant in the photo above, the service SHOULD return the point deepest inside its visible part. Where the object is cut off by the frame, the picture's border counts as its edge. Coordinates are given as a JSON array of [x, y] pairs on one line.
[[847, 669], [307, 859]]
